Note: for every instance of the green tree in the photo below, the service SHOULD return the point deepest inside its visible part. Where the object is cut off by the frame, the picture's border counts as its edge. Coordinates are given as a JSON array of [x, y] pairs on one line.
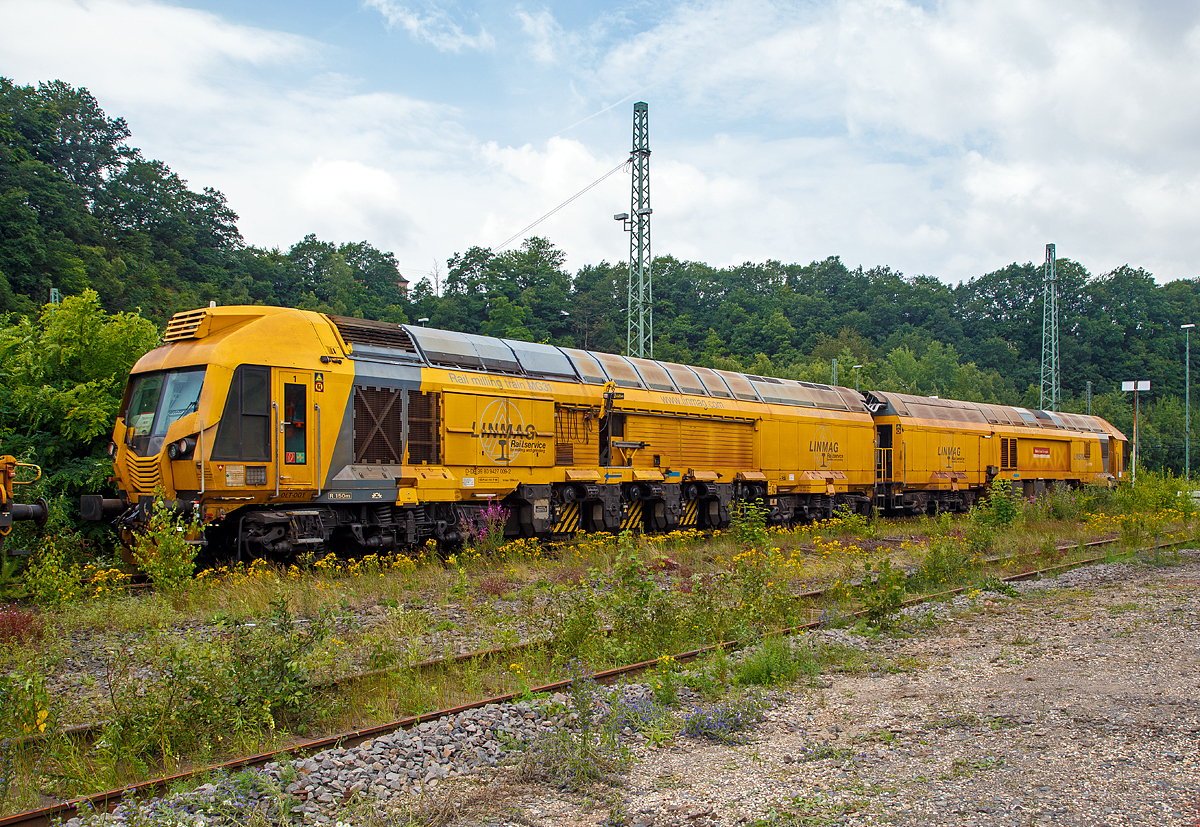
[[64, 375]]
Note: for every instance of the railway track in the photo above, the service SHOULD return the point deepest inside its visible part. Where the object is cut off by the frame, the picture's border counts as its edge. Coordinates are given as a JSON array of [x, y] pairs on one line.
[[108, 800], [91, 729]]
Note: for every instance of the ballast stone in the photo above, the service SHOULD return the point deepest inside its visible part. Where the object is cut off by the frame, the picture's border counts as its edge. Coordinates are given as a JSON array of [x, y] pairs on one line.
[[402, 762]]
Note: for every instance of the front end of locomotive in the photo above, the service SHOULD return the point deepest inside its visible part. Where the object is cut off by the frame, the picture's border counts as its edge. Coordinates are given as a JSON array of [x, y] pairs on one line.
[[196, 423]]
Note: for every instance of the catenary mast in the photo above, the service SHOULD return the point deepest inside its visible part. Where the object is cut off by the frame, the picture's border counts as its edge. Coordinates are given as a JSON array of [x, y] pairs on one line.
[[640, 341], [1051, 394]]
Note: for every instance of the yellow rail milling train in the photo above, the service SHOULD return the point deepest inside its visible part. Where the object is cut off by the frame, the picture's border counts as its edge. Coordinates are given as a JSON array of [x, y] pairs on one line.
[[290, 430]]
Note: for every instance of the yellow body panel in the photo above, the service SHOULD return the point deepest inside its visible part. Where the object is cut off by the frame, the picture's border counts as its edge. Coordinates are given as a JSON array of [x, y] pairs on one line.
[[940, 455]]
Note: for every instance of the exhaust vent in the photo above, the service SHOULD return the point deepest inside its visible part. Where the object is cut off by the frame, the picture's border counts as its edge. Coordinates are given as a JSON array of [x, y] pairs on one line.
[[186, 325], [374, 334]]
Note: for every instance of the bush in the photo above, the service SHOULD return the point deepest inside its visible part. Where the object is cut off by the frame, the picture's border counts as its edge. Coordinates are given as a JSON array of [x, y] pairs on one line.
[[573, 760], [1154, 492], [1000, 509], [25, 702], [50, 579], [850, 522], [1062, 503], [162, 550], [945, 564], [749, 523], [19, 626], [645, 619], [882, 594], [771, 662], [24, 711]]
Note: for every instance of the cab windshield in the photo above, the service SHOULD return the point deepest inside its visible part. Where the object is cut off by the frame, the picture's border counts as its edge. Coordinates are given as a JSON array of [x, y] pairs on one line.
[[155, 401]]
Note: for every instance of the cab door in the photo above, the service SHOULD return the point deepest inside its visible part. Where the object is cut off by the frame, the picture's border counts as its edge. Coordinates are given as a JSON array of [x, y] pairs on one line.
[[294, 433]]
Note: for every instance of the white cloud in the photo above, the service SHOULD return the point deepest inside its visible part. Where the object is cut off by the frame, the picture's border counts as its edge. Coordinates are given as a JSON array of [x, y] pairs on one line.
[[947, 141], [145, 53], [433, 25], [1011, 124], [546, 35]]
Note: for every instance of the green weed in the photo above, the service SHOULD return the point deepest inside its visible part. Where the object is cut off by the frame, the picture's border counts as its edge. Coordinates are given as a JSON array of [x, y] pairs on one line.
[[772, 662], [573, 760], [881, 592], [164, 549]]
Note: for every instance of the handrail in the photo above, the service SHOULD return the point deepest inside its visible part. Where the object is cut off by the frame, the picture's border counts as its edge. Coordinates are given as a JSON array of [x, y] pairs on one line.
[[278, 433], [883, 462], [200, 448], [320, 472]]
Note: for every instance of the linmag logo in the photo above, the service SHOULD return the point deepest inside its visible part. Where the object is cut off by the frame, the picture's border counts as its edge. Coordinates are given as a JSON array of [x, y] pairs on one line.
[[503, 435], [949, 453], [823, 448], [501, 428]]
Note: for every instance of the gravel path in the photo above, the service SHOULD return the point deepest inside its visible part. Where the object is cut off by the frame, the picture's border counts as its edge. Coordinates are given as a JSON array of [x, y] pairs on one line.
[[1075, 703]]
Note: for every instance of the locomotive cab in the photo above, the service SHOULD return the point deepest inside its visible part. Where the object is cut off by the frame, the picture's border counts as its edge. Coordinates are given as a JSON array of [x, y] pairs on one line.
[[206, 429]]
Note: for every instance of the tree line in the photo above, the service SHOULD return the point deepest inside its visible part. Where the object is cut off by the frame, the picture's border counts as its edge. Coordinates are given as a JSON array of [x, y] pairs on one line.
[[129, 243]]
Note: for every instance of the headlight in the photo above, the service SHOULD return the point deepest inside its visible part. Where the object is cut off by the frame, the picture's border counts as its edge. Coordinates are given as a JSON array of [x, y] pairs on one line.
[[112, 450], [182, 449]]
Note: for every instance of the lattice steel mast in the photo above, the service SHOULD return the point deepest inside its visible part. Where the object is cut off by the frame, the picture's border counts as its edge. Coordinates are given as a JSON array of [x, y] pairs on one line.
[[1051, 395], [640, 341]]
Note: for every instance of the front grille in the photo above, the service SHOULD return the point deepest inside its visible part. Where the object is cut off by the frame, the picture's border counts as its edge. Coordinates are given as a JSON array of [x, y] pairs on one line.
[[184, 325], [144, 474]]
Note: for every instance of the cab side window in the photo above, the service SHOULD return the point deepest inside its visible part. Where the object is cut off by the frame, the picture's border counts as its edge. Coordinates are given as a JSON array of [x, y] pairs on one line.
[[245, 429]]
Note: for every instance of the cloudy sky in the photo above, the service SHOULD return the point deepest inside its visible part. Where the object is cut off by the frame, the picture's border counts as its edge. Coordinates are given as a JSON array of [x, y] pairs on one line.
[[946, 138]]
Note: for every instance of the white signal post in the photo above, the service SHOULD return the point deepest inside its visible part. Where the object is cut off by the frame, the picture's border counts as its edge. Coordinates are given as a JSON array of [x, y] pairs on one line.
[[1136, 387], [1187, 400]]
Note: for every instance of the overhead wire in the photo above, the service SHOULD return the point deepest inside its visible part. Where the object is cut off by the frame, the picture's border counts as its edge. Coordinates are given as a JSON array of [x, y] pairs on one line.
[[524, 230]]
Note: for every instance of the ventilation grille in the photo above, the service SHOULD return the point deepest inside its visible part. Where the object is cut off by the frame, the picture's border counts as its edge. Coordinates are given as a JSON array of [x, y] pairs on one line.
[[377, 426], [424, 443], [1008, 454], [144, 474], [374, 334], [184, 325], [564, 453]]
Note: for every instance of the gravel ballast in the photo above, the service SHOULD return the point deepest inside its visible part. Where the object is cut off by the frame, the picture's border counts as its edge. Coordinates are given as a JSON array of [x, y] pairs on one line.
[[1075, 703]]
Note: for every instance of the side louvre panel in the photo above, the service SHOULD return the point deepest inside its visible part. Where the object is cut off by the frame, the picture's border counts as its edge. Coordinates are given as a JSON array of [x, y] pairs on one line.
[[424, 428], [378, 425]]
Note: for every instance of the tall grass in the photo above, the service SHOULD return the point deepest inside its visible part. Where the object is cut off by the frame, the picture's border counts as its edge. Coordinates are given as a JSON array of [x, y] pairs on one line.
[[237, 659]]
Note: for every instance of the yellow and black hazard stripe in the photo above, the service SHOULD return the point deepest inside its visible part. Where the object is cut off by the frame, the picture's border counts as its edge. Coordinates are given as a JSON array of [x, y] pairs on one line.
[[568, 519], [691, 513], [631, 520]]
